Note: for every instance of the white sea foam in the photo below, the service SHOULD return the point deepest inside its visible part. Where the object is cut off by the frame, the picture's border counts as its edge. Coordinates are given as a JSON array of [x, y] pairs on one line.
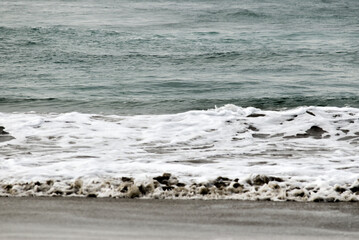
[[307, 147]]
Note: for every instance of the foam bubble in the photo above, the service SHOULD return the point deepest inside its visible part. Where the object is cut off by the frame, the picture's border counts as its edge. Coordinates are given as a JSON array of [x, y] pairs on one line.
[[315, 145]]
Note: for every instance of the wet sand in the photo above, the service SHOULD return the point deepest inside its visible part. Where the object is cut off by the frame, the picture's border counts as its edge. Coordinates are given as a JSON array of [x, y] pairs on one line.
[[86, 218]]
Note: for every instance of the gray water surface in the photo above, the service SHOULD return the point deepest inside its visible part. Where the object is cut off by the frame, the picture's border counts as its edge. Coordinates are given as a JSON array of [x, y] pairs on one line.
[[153, 57]]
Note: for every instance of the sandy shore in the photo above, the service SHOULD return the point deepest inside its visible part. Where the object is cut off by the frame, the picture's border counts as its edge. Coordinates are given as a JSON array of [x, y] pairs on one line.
[[84, 218]]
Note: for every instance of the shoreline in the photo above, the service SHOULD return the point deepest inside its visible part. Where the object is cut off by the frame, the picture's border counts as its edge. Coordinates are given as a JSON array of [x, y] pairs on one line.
[[108, 218], [166, 186]]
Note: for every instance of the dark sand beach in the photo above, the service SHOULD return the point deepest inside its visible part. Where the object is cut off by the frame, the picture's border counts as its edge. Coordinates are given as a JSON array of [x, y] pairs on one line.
[[84, 218]]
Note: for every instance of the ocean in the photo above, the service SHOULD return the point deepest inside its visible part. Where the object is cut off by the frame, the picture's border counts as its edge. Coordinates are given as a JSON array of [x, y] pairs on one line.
[[246, 99]]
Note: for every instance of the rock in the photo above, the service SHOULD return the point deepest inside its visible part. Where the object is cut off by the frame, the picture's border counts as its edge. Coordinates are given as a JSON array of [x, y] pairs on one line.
[[58, 192], [291, 119], [315, 132], [167, 188], [37, 183], [310, 113], [142, 189], [254, 129], [163, 179], [344, 130], [168, 175], [2, 132], [299, 194], [50, 182], [339, 189], [127, 179], [273, 185], [256, 115], [355, 189], [277, 179], [260, 180], [203, 190], [8, 187], [318, 199], [222, 182], [4, 136], [124, 189], [223, 179], [237, 185], [92, 195], [180, 184]]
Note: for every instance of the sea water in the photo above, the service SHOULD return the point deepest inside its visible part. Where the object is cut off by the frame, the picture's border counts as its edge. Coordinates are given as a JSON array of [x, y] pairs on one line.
[[190, 99]]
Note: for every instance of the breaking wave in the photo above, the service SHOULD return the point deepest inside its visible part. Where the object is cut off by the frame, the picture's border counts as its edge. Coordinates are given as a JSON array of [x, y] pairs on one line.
[[301, 154]]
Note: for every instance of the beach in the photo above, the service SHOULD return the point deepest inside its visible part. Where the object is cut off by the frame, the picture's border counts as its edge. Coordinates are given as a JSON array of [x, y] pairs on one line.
[[189, 119], [106, 218], [180, 99]]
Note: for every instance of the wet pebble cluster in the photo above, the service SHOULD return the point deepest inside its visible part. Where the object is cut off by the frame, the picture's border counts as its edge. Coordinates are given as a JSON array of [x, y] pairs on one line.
[[166, 186]]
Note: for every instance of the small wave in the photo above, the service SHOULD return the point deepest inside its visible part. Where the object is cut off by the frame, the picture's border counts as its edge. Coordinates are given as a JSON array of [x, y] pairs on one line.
[[232, 15], [236, 13], [20, 100], [165, 106], [4, 29]]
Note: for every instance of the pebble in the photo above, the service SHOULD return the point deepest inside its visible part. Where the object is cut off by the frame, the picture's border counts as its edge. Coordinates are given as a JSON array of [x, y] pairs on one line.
[[258, 187]]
